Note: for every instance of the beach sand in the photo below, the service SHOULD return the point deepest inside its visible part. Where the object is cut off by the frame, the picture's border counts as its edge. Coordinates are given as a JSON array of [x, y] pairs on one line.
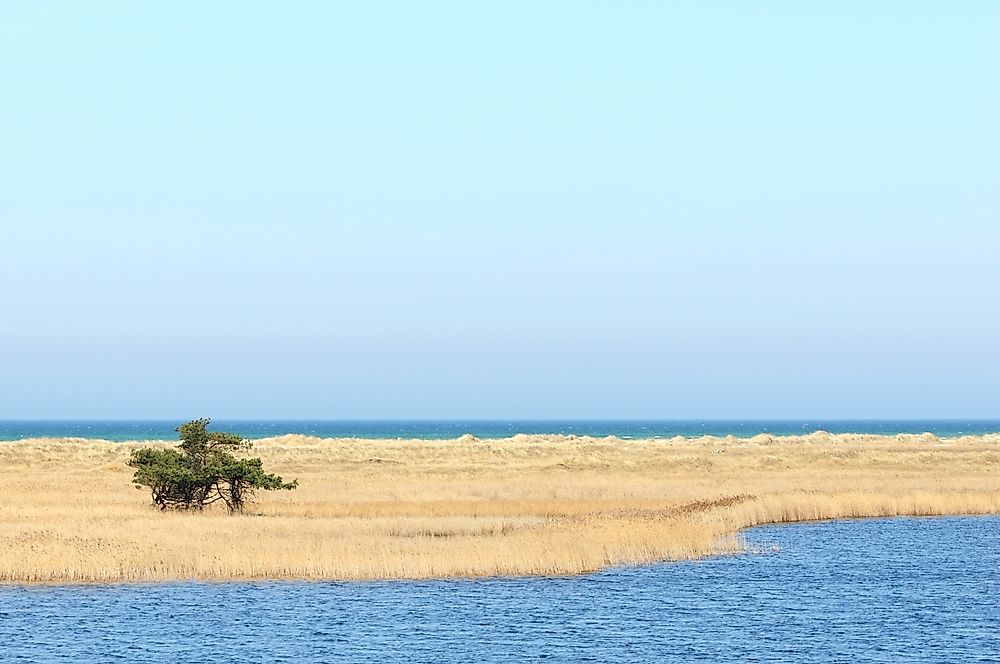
[[527, 505]]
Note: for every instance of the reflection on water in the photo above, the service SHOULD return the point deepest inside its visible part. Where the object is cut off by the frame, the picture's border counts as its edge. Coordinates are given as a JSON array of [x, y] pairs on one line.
[[919, 590]]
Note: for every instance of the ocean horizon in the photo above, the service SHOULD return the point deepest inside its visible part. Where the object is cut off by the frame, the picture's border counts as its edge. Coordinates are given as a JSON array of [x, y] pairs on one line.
[[164, 429]]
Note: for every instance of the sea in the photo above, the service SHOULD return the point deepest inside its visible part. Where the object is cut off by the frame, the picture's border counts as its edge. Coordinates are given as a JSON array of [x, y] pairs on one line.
[[122, 430], [880, 591]]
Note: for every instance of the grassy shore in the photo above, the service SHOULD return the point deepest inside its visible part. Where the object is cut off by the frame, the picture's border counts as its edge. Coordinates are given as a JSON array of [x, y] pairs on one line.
[[529, 505]]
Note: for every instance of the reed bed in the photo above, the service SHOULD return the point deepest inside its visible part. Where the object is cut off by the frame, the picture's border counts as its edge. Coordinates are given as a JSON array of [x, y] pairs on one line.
[[528, 505]]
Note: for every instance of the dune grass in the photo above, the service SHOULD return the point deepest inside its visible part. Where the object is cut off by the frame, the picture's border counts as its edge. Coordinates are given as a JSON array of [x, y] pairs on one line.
[[528, 505]]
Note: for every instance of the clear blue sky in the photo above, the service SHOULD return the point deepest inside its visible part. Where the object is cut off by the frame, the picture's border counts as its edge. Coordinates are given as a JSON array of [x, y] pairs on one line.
[[499, 210]]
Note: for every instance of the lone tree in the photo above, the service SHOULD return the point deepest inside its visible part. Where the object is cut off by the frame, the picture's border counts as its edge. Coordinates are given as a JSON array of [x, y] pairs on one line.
[[202, 470]]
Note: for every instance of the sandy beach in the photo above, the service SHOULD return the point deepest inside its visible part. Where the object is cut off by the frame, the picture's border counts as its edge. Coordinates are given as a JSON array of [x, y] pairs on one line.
[[527, 505]]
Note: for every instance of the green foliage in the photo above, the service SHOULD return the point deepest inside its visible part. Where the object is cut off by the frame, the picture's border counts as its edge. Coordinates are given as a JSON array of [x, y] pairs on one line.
[[202, 470]]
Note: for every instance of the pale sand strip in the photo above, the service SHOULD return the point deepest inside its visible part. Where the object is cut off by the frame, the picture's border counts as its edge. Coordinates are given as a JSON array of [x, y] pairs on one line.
[[530, 505]]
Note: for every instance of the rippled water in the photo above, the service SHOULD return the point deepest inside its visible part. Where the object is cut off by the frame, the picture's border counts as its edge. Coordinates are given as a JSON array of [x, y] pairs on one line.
[[917, 590]]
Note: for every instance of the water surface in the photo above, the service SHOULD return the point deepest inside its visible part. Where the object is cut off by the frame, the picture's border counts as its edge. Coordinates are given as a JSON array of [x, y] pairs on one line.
[[119, 430], [915, 590]]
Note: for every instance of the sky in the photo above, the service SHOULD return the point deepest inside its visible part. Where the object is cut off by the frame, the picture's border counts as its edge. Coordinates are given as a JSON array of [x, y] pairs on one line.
[[499, 210]]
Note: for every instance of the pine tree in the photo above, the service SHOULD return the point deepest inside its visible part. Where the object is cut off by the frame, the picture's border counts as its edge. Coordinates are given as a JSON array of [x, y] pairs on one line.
[[202, 470]]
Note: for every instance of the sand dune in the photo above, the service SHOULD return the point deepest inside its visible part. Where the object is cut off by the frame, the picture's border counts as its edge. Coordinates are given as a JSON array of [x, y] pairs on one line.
[[528, 505]]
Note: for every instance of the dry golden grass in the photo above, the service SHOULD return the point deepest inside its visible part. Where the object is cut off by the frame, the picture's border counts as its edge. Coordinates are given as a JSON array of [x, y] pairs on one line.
[[529, 505]]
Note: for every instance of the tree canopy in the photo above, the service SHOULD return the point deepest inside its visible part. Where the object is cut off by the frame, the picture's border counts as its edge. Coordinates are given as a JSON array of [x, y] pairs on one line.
[[202, 470]]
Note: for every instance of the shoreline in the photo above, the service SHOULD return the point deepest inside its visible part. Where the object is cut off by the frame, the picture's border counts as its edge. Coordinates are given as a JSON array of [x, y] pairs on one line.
[[529, 505], [142, 431], [459, 579]]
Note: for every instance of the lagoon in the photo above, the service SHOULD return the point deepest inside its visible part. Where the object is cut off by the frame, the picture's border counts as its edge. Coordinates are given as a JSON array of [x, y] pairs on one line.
[[880, 590]]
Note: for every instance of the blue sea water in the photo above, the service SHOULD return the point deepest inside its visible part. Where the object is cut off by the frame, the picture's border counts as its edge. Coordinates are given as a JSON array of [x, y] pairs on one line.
[[119, 430], [888, 590]]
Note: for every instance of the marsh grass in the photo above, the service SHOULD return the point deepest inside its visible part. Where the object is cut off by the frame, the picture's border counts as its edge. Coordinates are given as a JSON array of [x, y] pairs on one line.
[[529, 505]]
